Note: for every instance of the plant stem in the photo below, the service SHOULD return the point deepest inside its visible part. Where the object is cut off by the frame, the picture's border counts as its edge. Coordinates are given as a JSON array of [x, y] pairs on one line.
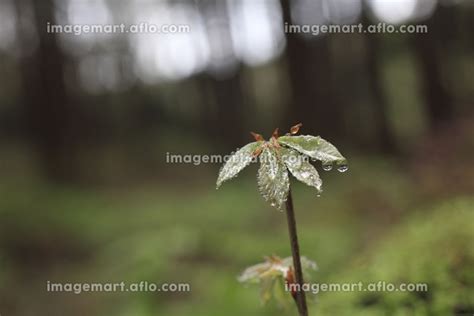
[[295, 251]]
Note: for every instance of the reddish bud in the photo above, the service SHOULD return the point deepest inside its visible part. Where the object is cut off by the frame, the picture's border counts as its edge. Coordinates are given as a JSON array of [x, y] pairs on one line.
[[275, 133], [295, 129], [257, 137], [290, 279]]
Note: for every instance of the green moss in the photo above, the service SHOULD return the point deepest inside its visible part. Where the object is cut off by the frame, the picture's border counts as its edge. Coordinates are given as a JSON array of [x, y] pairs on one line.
[[433, 247]]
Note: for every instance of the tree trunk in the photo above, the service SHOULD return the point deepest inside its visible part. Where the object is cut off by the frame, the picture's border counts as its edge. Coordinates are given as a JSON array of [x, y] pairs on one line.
[[438, 102], [226, 85], [384, 137], [312, 97], [47, 106]]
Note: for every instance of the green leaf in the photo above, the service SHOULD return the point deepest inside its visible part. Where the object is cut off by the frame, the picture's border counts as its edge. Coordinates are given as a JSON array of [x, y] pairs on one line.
[[315, 147], [237, 162], [281, 296], [273, 181], [301, 169], [267, 286]]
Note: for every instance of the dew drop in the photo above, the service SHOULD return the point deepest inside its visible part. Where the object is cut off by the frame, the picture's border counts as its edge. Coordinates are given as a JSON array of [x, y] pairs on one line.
[[342, 168], [327, 166]]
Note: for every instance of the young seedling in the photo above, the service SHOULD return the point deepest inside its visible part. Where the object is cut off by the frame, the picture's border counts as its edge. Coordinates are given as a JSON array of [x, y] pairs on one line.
[[274, 275], [277, 156]]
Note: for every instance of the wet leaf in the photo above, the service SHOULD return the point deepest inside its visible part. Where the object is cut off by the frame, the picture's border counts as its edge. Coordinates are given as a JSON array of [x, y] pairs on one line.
[[313, 146], [273, 181], [237, 162], [301, 168]]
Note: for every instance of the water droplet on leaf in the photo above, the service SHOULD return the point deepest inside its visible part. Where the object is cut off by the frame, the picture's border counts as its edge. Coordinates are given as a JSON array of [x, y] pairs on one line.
[[342, 168], [327, 166]]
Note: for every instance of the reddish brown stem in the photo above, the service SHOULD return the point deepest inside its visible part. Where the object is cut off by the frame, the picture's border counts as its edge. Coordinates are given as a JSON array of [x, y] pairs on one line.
[[295, 251]]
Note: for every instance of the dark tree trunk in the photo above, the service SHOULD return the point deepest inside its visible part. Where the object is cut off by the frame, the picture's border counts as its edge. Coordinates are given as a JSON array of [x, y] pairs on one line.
[[312, 99], [384, 137], [47, 106], [225, 84], [438, 102]]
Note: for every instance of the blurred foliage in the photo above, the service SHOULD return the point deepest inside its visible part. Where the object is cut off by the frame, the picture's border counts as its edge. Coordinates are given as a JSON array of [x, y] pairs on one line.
[[432, 247], [172, 233]]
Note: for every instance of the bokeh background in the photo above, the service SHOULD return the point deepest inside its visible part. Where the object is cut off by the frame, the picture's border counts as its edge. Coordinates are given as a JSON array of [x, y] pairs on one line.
[[86, 123]]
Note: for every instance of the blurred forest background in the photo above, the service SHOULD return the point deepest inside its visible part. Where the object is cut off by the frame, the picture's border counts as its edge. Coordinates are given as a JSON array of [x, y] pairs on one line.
[[86, 122]]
